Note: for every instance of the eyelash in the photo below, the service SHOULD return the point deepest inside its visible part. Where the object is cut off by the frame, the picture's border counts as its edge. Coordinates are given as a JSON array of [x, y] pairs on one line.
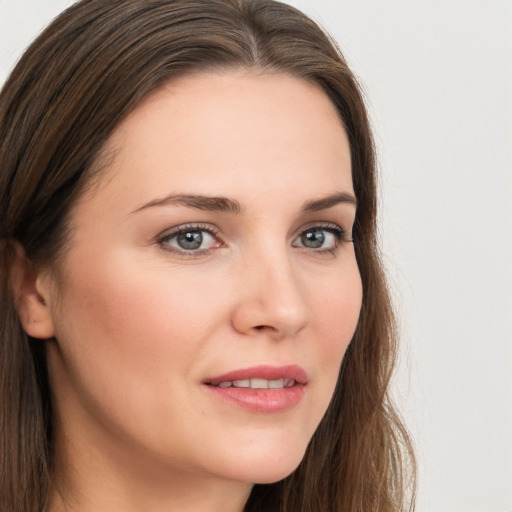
[[339, 234], [167, 236]]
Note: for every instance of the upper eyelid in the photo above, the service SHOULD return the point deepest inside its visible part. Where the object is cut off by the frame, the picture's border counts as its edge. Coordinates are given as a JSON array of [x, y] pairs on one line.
[[323, 225], [346, 235], [320, 224], [202, 226], [337, 231], [171, 232]]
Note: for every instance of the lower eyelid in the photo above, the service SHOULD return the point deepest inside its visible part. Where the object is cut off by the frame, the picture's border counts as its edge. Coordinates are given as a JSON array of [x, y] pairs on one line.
[[341, 236], [336, 231], [168, 242]]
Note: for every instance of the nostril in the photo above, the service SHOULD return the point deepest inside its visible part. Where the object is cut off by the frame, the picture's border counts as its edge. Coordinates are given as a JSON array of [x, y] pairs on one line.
[[264, 327], [265, 330]]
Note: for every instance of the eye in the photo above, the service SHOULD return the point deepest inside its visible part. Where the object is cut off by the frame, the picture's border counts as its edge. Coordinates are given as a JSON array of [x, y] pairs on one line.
[[321, 238], [189, 239]]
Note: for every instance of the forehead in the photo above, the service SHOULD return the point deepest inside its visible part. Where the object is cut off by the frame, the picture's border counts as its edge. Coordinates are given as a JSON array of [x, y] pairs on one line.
[[231, 130]]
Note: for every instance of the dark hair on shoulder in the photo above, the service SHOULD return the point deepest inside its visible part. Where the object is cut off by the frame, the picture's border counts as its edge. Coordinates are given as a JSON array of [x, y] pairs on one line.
[[91, 67]]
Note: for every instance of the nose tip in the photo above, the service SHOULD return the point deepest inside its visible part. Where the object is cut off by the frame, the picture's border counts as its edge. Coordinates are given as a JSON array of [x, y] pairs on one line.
[[272, 304]]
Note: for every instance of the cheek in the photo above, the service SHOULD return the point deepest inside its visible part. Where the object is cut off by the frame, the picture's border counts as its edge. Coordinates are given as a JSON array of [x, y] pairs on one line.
[[337, 312], [140, 318], [115, 307], [130, 334], [335, 317]]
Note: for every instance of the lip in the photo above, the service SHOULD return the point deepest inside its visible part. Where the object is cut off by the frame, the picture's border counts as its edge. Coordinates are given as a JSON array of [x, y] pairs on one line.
[[261, 400], [262, 372]]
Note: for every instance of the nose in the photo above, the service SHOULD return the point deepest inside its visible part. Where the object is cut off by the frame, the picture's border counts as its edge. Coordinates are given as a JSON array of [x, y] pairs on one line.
[[271, 300]]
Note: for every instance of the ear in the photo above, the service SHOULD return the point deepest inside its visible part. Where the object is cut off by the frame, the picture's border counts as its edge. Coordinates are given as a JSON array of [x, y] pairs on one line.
[[31, 290]]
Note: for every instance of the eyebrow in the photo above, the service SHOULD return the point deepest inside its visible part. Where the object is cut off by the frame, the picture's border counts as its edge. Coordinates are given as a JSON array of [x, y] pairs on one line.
[[329, 202], [226, 205], [199, 202]]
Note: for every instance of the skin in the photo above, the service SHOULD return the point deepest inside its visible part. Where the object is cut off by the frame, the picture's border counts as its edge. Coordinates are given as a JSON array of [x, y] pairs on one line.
[[136, 324]]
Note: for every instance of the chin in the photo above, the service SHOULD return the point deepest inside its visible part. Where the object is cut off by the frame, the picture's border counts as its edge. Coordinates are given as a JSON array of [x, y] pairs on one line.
[[275, 476], [267, 469]]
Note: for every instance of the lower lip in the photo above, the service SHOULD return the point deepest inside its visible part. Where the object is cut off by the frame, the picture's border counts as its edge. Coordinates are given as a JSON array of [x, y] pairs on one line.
[[261, 400]]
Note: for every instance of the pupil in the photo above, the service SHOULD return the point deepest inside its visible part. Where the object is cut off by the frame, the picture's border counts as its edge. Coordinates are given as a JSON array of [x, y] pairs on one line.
[[313, 239], [190, 240]]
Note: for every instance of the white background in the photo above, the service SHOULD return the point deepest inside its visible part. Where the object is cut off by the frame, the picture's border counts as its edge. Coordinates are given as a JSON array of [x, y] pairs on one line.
[[438, 76]]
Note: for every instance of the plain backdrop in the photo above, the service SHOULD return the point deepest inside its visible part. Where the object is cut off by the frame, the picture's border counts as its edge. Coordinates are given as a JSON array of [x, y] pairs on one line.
[[438, 80]]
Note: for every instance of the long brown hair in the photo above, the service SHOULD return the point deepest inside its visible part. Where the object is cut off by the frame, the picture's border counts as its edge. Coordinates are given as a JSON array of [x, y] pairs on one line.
[[92, 66]]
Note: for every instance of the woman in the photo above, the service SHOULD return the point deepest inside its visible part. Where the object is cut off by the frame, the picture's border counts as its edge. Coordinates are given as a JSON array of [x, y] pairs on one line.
[[194, 317]]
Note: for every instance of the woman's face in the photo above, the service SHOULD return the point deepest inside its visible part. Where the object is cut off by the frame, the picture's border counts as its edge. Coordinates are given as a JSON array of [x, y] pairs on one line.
[[213, 255]]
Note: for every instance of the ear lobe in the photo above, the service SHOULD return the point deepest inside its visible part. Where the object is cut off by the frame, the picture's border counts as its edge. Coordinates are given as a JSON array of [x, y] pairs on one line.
[[31, 295]]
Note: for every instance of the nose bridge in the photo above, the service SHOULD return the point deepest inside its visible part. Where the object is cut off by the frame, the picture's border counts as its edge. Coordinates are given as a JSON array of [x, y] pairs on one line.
[[272, 298]]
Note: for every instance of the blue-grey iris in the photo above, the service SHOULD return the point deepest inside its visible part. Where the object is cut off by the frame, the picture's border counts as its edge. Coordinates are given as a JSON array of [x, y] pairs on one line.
[[190, 240], [313, 239]]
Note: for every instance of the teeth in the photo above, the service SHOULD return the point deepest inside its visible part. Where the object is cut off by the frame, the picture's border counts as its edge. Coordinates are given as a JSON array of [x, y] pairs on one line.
[[245, 383], [258, 383], [276, 384]]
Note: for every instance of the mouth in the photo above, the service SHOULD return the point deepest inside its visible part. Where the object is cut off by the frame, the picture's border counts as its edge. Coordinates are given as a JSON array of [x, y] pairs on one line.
[[260, 389], [261, 377], [256, 383]]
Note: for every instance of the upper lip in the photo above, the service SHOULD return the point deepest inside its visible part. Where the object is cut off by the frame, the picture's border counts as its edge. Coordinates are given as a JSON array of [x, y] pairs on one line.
[[262, 372]]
